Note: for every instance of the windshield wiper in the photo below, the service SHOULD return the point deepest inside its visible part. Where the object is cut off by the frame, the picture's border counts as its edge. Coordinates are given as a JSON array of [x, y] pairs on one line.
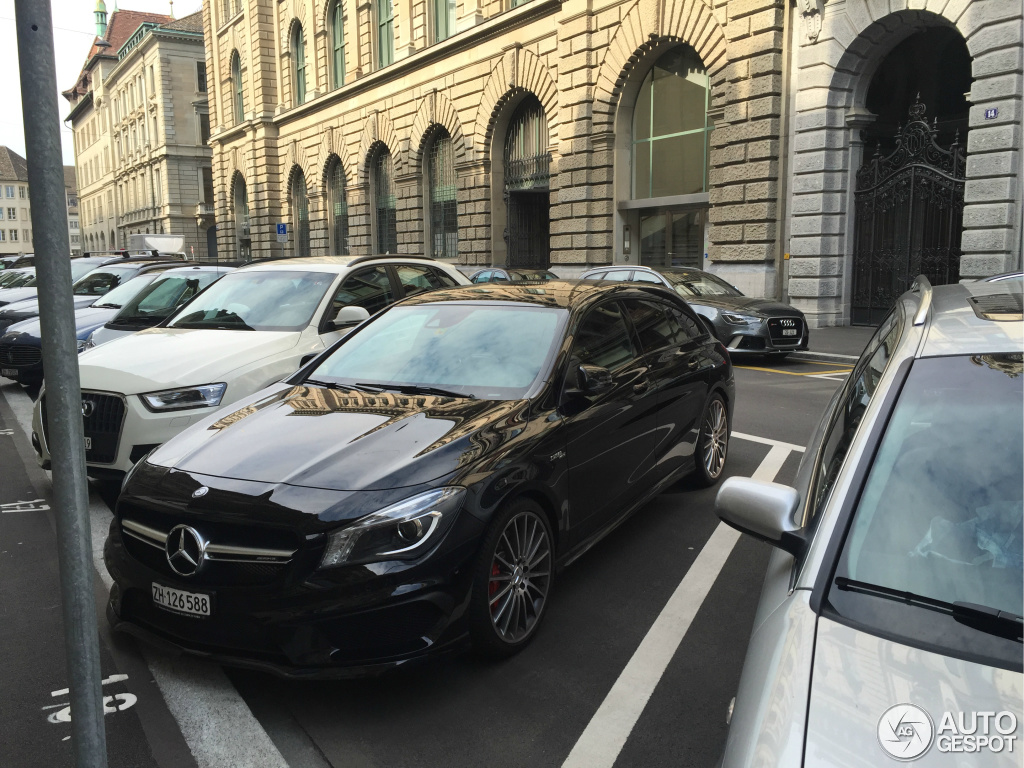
[[338, 385], [108, 306], [991, 621], [416, 389]]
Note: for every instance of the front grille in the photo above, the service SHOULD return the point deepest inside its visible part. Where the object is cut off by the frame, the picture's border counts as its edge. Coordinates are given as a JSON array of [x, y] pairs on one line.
[[20, 355], [777, 326], [103, 417]]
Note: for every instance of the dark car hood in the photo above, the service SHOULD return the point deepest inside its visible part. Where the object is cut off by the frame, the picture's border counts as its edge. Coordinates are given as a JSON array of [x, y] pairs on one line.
[[87, 320], [768, 307], [30, 307], [343, 440]]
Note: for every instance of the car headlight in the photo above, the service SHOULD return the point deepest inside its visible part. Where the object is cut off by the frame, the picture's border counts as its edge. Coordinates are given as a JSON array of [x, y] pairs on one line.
[[181, 399], [396, 532], [735, 319]]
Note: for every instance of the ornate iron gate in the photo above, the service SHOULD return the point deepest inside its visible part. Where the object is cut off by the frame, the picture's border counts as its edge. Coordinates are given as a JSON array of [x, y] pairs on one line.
[[908, 218], [527, 179]]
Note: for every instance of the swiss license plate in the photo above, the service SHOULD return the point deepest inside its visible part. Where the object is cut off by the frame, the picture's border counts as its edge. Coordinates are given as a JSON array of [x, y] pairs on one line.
[[8, 372], [789, 331], [180, 601], [88, 443]]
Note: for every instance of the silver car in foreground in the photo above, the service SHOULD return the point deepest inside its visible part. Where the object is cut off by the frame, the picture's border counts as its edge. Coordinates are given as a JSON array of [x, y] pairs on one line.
[[889, 627]]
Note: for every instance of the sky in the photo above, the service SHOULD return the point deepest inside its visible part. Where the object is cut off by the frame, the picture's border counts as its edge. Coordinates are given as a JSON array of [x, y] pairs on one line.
[[74, 28]]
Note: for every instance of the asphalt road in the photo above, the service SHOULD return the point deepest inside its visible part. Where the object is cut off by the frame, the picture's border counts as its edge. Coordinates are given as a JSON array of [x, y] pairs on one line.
[[613, 678]]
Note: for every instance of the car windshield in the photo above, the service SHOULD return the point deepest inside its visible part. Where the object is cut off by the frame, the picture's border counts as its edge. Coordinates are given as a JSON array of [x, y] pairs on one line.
[[479, 350], [17, 280], [118, 297], [161, 297], [264, 300], [519, 275], [101, 281], [943, 507], [688, 284], [81, 268]]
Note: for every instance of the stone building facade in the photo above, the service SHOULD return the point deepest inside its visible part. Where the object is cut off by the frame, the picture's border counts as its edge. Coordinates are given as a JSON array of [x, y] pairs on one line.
[[71, 200], [718, 133], [140, 116], [15, 210]]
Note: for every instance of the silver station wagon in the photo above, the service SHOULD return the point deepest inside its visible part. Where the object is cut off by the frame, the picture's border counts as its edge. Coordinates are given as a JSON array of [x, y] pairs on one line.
[[889, 627]]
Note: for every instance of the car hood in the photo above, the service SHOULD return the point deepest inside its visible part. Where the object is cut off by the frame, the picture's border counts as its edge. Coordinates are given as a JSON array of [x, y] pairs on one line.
[[29, 306], [86, 321], [12, 295], [162, 358], [857, 677], [768, 307], [343, 440]]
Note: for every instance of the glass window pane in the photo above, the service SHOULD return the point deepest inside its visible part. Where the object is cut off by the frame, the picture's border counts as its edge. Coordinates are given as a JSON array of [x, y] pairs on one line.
[[603, 339], [687, 245], [370, 289], [678, 165], [679, 94], [652, 240], [642, 170], [642, 111]]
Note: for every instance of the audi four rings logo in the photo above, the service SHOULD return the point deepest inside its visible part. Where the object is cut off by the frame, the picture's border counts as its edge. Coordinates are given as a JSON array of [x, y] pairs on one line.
[[88, 406], [186, 550], [788, 322]]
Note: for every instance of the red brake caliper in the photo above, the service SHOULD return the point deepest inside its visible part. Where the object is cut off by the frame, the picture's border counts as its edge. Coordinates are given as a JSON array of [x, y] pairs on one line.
[[492, 587]]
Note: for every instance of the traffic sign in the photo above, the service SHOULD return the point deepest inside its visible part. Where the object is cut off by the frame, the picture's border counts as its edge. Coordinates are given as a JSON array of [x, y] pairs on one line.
[[282, 233]]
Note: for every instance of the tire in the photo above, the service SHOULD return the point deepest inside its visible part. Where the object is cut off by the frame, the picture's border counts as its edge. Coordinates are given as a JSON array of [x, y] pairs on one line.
[[509, 596], [712, 443]]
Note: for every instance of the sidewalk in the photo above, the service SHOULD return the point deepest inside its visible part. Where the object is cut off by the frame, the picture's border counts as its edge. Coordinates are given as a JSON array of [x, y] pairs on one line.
[[839, 344]]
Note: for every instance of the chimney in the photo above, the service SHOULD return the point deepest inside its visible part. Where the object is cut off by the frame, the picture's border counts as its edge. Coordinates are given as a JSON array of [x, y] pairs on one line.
[[101, 19]]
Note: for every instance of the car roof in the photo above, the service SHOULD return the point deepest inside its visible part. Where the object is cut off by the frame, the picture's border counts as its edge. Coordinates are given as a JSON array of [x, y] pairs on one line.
[[335, 264], [560, 293], [203, 268], [972, 318]]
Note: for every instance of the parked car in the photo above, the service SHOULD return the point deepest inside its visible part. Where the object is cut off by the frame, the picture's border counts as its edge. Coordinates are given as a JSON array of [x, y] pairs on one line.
[[745, 325], [508, 275], [156, 302], [13, 278], [893, 600], [250, 329], [420, 483], [21, 346], [1018, 276], [92, 283]]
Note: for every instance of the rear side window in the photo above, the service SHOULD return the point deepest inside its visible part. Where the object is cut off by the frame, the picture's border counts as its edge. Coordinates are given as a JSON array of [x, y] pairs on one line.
[[369, 288], [482, 277], [446, 280], [416, 279], [618, 274], [603, 338], [645, 277]]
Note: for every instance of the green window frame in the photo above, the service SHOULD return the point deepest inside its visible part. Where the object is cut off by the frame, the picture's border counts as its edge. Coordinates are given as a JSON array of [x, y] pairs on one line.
[[444, 19], [236, 82], [299, 54], [338, 44], [385, 33]]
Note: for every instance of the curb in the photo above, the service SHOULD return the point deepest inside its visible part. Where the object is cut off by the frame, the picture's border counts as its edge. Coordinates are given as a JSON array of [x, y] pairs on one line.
[[824, 357]]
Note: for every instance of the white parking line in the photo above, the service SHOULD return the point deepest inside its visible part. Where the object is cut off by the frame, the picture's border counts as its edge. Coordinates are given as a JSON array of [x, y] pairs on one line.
[[606, 734], [768, 441], [214, 719]]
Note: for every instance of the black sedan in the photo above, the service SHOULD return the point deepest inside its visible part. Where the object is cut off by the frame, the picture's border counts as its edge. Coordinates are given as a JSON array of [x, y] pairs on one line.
[[744, 324], [509, 275], [411, 488]]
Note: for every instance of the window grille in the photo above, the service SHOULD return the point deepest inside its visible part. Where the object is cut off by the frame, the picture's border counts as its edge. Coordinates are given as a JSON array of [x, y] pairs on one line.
[[444, 228], [385, 203]]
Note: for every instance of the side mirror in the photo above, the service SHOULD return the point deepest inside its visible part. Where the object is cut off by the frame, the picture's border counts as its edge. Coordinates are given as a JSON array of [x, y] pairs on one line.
[[593, 380], [763, 510], [306, 358], [350, 316]]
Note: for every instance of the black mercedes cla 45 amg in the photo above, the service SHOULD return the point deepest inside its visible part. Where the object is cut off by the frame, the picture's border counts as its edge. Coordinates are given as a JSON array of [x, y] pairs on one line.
[[422, 482]]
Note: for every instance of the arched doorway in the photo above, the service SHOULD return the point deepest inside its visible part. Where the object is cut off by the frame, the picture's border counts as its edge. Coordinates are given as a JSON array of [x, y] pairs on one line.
[[241, 211], [527, 180], [909, 191], [300, 214], [384, 201]]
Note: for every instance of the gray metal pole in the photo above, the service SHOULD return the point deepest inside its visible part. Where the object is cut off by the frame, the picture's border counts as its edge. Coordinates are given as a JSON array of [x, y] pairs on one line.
[[60, 361]]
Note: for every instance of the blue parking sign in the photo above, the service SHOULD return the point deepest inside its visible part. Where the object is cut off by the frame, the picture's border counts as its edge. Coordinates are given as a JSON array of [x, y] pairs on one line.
[[282, 229]]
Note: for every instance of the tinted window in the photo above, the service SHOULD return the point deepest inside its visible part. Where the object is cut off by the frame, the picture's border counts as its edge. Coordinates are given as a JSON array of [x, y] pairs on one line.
[[653, 326], [370, 289], [603, 339], [646, 277], [482, 277], [416, 279], [617, 274], [859, 389], [100, 281]]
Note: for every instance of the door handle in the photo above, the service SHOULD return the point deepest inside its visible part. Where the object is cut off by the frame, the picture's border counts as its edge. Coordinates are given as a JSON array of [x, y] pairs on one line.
[[642, 386], [692, 363]]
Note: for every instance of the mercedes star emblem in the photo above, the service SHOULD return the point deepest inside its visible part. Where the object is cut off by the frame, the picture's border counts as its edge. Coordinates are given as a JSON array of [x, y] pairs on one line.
[[186, 550], [200, 492], [88, 406]]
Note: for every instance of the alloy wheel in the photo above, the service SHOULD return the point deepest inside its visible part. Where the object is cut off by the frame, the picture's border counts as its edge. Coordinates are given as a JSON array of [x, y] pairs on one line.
[[520, 577], [716, 438]]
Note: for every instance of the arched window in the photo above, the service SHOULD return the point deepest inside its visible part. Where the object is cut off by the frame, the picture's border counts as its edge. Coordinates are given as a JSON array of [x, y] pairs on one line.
[[527, 180], [300, 214], [385, 32], [299, 54], [337, 44], [670, 127], [236, 86], [241, 205], [337, 202], [444, 19], [442, 202], [113, 242], [382, 185]]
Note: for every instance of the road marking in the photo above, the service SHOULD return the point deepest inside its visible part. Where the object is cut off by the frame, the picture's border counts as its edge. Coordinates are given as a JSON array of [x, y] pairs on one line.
[[6, 433], [106, 681], [214, 719], [605, 735], [36, 505], [793, 373], [768, 441]]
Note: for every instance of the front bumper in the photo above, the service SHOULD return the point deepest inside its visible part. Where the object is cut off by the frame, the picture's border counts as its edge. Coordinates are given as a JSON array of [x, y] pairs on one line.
[[765, 337], [21, 361], [346, 622]]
